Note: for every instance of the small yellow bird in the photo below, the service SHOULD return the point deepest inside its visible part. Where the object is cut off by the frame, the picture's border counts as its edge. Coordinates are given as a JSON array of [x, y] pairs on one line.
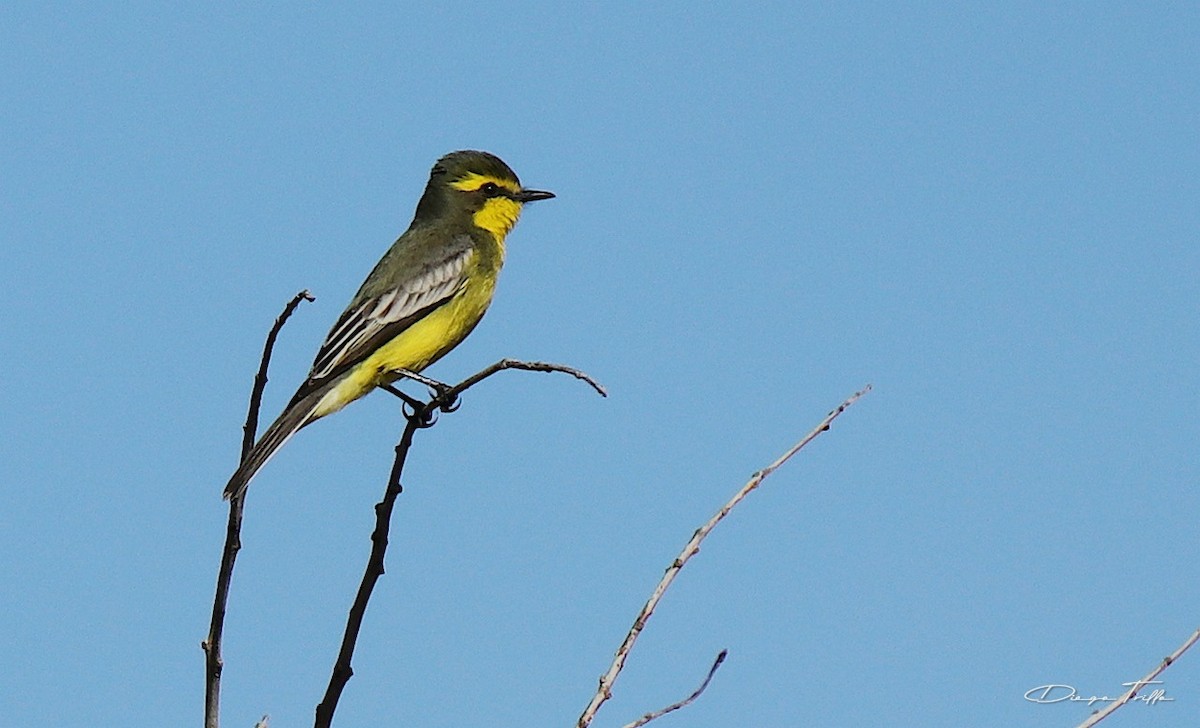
[[422, 299]]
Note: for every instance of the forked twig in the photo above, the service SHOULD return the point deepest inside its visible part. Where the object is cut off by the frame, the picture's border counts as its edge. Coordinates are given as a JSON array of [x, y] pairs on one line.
[[529, 366], [213, 663], [686, 701], [1100, 715], [419, 419], [604, 691]]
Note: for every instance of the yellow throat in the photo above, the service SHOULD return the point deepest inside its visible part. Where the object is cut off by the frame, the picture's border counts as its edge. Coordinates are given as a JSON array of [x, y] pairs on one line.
[[498, 214]]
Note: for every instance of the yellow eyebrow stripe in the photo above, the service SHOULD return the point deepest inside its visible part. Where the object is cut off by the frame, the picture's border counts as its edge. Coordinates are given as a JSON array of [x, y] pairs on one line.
[[474, 181]]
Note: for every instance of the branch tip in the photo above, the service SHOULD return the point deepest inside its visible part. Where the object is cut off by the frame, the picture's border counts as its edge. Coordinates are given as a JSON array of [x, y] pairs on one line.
[[676, 706], [213, 664], [690, 550]]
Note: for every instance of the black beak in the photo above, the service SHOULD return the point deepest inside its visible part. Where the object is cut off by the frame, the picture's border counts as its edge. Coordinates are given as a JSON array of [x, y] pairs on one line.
[[532, 196]]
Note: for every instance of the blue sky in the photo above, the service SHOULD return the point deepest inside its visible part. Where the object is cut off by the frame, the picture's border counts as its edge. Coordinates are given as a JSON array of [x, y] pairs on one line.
[[990, 213]]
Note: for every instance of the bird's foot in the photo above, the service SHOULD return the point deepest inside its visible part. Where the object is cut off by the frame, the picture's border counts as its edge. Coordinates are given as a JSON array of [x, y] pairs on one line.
[[437, 390], [413, 408], [451, 403]]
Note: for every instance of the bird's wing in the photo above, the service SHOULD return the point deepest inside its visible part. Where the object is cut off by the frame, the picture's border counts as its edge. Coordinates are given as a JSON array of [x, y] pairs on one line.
[[375, 320]]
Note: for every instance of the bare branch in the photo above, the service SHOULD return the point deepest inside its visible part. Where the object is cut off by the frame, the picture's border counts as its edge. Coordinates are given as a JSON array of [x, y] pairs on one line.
[[419, 419], [342, 671], [1133, 691], [531, 366], [213, 663], [250, 429], [604, 691], [686, 701]]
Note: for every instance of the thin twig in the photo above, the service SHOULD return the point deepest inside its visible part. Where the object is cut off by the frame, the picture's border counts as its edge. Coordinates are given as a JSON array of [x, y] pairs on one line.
[[529, 366], [213, 663], [419, 419], [1133, 691], [250, 429], [342, 671], [686, 701], [604, 691]]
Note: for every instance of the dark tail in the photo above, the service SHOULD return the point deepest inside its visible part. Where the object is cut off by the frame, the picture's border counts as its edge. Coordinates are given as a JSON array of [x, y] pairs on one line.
[[297, 415]]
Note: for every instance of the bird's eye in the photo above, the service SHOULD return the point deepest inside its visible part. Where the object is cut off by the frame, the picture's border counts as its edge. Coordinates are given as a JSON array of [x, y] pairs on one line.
[[491, 189]]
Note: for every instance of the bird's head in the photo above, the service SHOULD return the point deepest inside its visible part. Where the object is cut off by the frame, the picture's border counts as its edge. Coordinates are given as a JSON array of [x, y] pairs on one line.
[[479, 185]]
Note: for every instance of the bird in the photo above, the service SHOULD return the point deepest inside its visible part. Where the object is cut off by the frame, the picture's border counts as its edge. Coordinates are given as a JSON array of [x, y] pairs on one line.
[[424, 296]]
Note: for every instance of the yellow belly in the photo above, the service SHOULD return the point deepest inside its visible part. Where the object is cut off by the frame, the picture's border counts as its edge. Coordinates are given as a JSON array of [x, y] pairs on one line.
[[416, 347]]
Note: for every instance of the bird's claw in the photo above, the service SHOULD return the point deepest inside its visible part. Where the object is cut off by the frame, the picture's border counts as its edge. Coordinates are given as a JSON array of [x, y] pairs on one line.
[[423, 417], [451, 405], [424, 413]]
